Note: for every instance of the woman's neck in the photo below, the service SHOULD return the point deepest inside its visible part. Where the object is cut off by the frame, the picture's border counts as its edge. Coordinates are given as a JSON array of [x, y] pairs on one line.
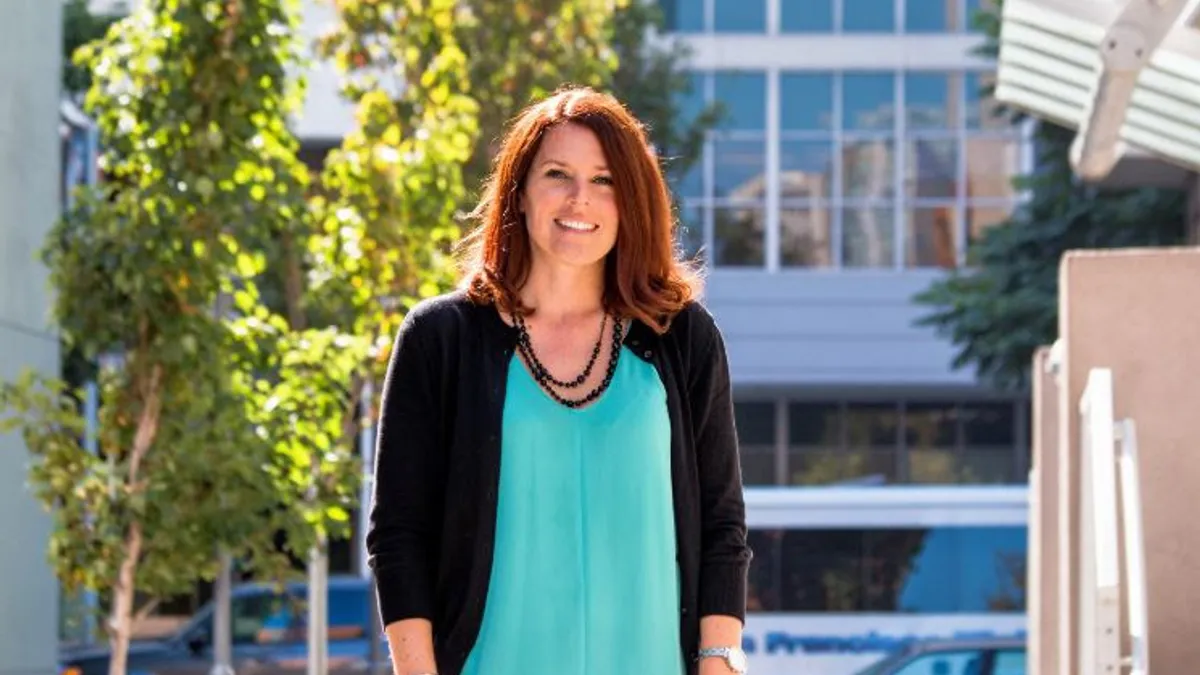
[[564, 294]]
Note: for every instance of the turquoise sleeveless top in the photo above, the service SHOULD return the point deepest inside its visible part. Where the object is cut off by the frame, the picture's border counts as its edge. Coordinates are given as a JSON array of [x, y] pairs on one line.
[[584, 578]]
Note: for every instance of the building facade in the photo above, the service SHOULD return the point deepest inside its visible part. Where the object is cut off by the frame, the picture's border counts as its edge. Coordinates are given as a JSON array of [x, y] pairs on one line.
[[30, 39], [856, 162]]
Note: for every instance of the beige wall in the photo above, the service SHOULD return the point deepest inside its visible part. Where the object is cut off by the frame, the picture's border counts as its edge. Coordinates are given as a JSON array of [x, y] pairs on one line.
[[1136, 312]]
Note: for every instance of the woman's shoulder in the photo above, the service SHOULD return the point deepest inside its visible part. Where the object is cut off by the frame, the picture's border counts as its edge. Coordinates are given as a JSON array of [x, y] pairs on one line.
[[694, 325], [441, 315], [694, 318]]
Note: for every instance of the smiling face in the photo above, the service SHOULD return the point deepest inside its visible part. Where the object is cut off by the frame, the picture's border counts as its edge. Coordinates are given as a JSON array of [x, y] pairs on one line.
[[569, 202]]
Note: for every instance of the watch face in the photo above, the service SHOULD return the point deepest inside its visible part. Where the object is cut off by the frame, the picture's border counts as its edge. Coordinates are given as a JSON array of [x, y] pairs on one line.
[[737, 660]]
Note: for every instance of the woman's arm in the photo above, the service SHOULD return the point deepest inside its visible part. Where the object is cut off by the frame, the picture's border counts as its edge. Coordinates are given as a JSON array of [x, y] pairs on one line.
[[719, 631], [406, 512], [724, 555], [411, 645]]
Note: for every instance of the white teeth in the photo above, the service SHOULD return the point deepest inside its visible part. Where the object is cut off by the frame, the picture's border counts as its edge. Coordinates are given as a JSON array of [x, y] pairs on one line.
[[577, 225]]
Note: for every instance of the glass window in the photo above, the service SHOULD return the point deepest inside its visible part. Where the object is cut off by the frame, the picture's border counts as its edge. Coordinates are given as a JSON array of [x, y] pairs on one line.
[[691, 101], [739, 16], [992, 164], [806, 101], [263, 617], [872, 425], [691, 230], [739, 169], [945, 663], [1009, 662], [755, 422], [930, 101], [347, 609], [762, 588], [867, 453], [932, 235], [869, 101], [988, 424], [806, 16], [983, 111], [924, 571], [805, 236], [930, 435], [931, 168], [965, 569], [744, 96], [690, 184], [929, 16], [974, 7], [347, 613], [869, 16], [683, 16], [806, 169], [930, 425], [738, 236], [868, 169], [815, 424], [867, 239]]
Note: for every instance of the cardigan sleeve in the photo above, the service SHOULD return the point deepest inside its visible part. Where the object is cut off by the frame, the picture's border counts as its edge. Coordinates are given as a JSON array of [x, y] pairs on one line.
[[724, 553], [405, 520]]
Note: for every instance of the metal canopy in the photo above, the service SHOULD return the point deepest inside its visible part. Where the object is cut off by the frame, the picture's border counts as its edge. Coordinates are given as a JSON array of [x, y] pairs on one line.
[[1126, 74]]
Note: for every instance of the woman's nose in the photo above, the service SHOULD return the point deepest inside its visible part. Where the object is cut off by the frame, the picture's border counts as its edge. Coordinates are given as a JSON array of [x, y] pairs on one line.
[[579, 192]]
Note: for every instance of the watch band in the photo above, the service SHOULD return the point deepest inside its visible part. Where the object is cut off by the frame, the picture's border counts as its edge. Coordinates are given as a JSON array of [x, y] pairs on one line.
[[734, 657]]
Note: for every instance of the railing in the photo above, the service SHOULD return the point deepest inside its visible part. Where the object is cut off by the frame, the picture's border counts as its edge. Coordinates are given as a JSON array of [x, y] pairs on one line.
[[1106, 523]]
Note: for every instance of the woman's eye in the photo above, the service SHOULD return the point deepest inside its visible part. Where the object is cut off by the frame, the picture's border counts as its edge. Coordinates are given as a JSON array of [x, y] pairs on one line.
[[604, 180], [556, 173]]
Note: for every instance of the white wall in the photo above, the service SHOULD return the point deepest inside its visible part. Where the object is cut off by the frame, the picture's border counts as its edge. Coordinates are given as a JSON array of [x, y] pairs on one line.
[[30, 69], [833, 329]]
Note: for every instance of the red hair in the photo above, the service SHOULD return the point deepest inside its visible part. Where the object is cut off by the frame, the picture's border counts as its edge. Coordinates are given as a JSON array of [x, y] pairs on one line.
[[645, 276]]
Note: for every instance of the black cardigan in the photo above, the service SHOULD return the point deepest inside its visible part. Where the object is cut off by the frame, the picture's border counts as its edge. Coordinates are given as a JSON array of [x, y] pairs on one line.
[[437, 471]]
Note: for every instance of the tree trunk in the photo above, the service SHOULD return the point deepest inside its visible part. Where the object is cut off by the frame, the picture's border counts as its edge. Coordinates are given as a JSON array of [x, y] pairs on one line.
[[121, 622], [121, 619]]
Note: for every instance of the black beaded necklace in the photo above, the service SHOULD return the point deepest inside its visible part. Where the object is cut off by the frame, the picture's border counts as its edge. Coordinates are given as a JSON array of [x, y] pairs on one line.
[[539, 369], [547, 382]]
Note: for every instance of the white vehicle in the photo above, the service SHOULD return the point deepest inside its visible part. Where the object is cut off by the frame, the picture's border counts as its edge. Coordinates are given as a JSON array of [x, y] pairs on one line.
[[844, 576]]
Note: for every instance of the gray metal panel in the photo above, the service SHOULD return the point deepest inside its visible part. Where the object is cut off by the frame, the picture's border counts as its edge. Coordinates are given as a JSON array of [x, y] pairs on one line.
[[30, 38], [846, 328]]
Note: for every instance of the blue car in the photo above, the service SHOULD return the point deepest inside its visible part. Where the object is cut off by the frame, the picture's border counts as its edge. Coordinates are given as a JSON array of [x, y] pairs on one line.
[[994, 656], [269, 636]]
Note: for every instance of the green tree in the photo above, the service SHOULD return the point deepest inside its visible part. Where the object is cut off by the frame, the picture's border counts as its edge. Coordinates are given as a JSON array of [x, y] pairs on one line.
[[519, 51], [513, 52], [383, 212], [81, 26], [1004, 304], [220, 427]]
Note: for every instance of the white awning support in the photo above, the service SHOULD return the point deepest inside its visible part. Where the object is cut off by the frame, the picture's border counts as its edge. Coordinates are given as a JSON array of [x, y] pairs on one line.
[[1125, 74], [1128, 44]]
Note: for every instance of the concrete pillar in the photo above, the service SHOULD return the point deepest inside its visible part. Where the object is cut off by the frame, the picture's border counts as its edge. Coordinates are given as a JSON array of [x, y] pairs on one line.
[[1136, 312], [30, 76], [1045, 617]]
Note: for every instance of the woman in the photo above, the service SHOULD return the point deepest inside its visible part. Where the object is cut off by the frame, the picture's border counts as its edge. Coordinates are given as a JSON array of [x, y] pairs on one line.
[[557, 488]]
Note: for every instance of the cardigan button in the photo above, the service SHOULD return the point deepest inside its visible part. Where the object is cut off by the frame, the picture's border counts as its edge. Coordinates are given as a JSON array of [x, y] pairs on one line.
[[648, 353]]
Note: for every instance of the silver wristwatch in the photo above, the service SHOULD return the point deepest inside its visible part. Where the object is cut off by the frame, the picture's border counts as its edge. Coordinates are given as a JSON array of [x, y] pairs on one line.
[[734, 657]]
